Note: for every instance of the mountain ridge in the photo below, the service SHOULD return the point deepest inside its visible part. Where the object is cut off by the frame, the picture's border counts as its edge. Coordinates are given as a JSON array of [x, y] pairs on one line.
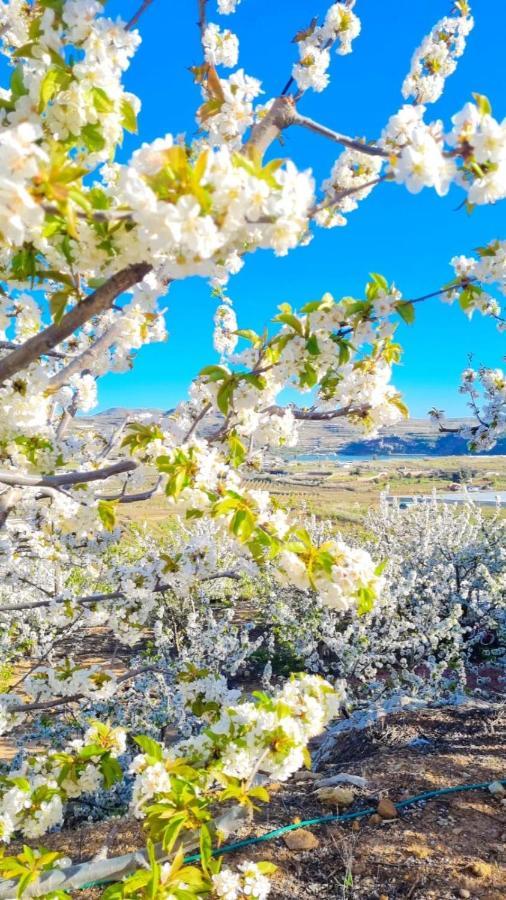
[[411, 436]]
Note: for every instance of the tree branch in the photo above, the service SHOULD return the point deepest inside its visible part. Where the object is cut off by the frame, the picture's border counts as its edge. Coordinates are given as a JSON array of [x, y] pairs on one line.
[[51, 481], [133, 21], [351, 143], [202, 20], [315, 415], [341, 195], [100, 598], [72, 698], [281, 115], [95, 303]]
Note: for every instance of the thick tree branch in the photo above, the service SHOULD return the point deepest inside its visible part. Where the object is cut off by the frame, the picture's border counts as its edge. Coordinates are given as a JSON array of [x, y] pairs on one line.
[[281, 115], [95, 303], [85, 359], [54, 481]]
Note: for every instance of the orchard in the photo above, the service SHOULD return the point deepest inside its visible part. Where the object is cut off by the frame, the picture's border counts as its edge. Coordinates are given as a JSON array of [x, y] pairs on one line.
[[89, 249]]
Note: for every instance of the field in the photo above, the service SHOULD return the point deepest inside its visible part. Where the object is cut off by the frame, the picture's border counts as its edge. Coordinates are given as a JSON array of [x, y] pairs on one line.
[[345, 492], [450, 848]]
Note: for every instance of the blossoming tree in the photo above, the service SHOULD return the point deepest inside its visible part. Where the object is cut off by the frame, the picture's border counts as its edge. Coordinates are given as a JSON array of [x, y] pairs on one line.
[[88, 249]]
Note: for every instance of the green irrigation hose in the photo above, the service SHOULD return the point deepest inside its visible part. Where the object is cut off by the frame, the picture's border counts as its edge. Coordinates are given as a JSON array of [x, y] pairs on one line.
[[322, 820]]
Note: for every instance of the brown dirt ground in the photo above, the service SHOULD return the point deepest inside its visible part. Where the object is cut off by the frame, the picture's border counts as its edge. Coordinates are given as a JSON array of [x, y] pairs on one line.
[[451, 847], [436, 851]]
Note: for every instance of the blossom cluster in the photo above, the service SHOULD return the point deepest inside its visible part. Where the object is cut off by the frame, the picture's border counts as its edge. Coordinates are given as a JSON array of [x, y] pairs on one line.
[[436, 58], [32, 796], [486, 392], [340, 26]]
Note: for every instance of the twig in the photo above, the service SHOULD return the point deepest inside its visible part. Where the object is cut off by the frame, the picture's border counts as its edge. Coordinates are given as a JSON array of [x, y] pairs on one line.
[[135, 18], [353, 144], [341, 195]]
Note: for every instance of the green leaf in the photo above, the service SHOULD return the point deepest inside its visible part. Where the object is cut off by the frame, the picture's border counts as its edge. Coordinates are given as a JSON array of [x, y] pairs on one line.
[[380, 280], [107, 513], [237, 449], [90, 751], [128, 117], [92, 138], [171, 831], [224, 396], [54, 80], [398, 402], [483, 104], [57, 305], [111, 770], [291, 320], [308, 377], [249, 335], [101, 101], [17, 85], [259, 793], [312, 306], [149, 746], [366, 600], [406, 312], [312, 346], [214, 373], [206, 847]]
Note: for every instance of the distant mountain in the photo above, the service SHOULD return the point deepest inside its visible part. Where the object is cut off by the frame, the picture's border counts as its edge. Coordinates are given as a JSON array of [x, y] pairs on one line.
[[411, 436]]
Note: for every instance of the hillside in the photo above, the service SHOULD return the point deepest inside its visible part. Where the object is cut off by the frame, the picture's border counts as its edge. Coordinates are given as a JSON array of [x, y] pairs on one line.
[[413, 436]]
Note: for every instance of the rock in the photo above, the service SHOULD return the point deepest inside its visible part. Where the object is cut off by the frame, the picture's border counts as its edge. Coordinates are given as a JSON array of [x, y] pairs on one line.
[[497, 789], [302, 839], [355, 825], [342, 778], [375, 819], [386, 809], [304, 775], [335, 796], [463, 892], [383, 897]]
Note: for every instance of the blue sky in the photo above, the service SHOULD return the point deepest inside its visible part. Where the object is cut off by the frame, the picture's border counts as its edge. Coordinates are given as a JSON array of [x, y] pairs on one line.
[[409, 239]]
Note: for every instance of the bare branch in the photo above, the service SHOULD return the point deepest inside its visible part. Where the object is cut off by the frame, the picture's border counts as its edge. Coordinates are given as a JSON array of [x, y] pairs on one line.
[[10, 345], [132, 498], [63, 701], [133, 21], [202, 20], [315, 415], [95, 303], [351, 143], [100, 598], [202, 414], [85, 359], [341, 195], [52, 481]]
